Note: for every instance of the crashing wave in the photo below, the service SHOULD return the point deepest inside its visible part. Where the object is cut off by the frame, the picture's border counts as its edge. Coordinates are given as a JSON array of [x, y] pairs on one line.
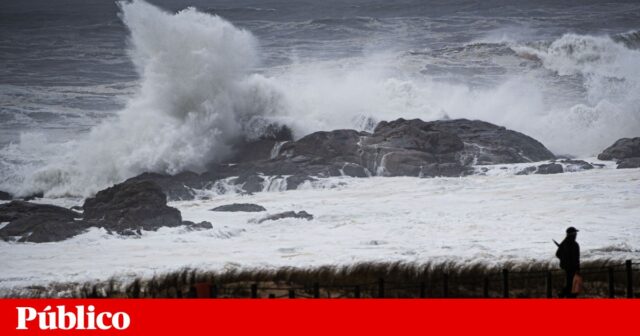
[[630, 39]]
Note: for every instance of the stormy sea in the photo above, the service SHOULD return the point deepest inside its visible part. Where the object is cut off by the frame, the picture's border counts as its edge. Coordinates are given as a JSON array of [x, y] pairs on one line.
[[143, 137]]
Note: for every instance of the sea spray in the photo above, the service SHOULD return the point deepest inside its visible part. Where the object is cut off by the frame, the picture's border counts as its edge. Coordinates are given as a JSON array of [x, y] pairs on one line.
[[196, 99]]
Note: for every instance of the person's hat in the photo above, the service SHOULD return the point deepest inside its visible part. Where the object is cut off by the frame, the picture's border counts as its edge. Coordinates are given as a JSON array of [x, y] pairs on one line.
[[571, 229]]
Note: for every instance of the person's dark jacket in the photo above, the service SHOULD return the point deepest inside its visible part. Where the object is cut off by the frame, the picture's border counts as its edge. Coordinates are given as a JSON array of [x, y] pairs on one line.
[[569, 254]]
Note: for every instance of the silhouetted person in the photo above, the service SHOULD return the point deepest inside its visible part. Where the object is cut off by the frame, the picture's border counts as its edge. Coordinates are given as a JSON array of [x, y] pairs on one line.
[[569, 254]]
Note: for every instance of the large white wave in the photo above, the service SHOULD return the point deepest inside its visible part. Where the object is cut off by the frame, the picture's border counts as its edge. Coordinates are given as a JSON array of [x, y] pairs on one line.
[[578, 96], [198, 97], [195, 96]]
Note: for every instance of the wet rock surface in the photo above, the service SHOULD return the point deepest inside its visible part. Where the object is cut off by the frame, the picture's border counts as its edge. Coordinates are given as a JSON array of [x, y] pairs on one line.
[[624, 148], [401, 147], [629, 163], [240, 207], [131, 205], [127, 209], [176, 187], [39, 223], [191, 226], [287, 214], [5, 196], [549, 168], [576, 165], [625, 151], [558, 166]]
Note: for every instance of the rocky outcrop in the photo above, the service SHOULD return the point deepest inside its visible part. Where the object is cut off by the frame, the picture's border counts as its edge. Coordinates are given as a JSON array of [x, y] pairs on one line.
[[633, 162], [549, 168], [483, 143], [396, 148], [414, 148], [622, 149], [191, 226], [133, 205], [557, 167], [33, 196], [266, 146], [39, 223], [5, 196], [240, 207], [287, 214], [127, 209], [176, 187], [625, 151], [571, 165]]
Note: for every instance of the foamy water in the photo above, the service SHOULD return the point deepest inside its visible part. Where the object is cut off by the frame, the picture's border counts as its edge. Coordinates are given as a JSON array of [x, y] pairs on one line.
[[479, 219]]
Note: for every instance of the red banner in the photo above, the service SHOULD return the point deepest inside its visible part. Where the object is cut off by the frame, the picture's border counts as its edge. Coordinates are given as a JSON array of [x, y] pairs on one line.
[[313, 316]]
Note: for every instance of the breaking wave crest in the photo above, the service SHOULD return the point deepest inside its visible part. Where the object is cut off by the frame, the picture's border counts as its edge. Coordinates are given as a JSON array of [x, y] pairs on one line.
[[630, 39], [196, 97]]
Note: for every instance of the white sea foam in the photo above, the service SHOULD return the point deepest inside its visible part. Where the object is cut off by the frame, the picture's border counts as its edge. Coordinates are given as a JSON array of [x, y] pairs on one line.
[[477, 219]]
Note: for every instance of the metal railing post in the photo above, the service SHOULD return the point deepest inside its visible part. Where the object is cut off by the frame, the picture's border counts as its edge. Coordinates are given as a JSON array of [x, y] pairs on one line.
[[445, 285], [612, 284], [380, 288], [485, 287], [254, 291], [505, 283], [629, 269]]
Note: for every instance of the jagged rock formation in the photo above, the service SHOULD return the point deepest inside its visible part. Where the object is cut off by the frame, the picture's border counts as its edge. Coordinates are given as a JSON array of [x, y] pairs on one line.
[[625, 151], [240, 207], [396, 148], [126, 209]]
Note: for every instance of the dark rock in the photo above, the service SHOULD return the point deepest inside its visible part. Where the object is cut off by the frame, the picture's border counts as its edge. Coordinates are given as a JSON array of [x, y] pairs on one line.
[[176, 187], [354, 170], [240, 207], [257, 150], [131, 205], [415, 135], [404, 163], [33, 196], [39, 223], [622, 149], [576, 165], [396, 148], [5, 196], [527, 171], [293, 182], [276, 132], [550, 168], [131, 232], [266, 146], [629, 163], [445, 147], [126, 209], [288, 214], [251, 183], [198, 226], [487, 143], [325, 147]]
